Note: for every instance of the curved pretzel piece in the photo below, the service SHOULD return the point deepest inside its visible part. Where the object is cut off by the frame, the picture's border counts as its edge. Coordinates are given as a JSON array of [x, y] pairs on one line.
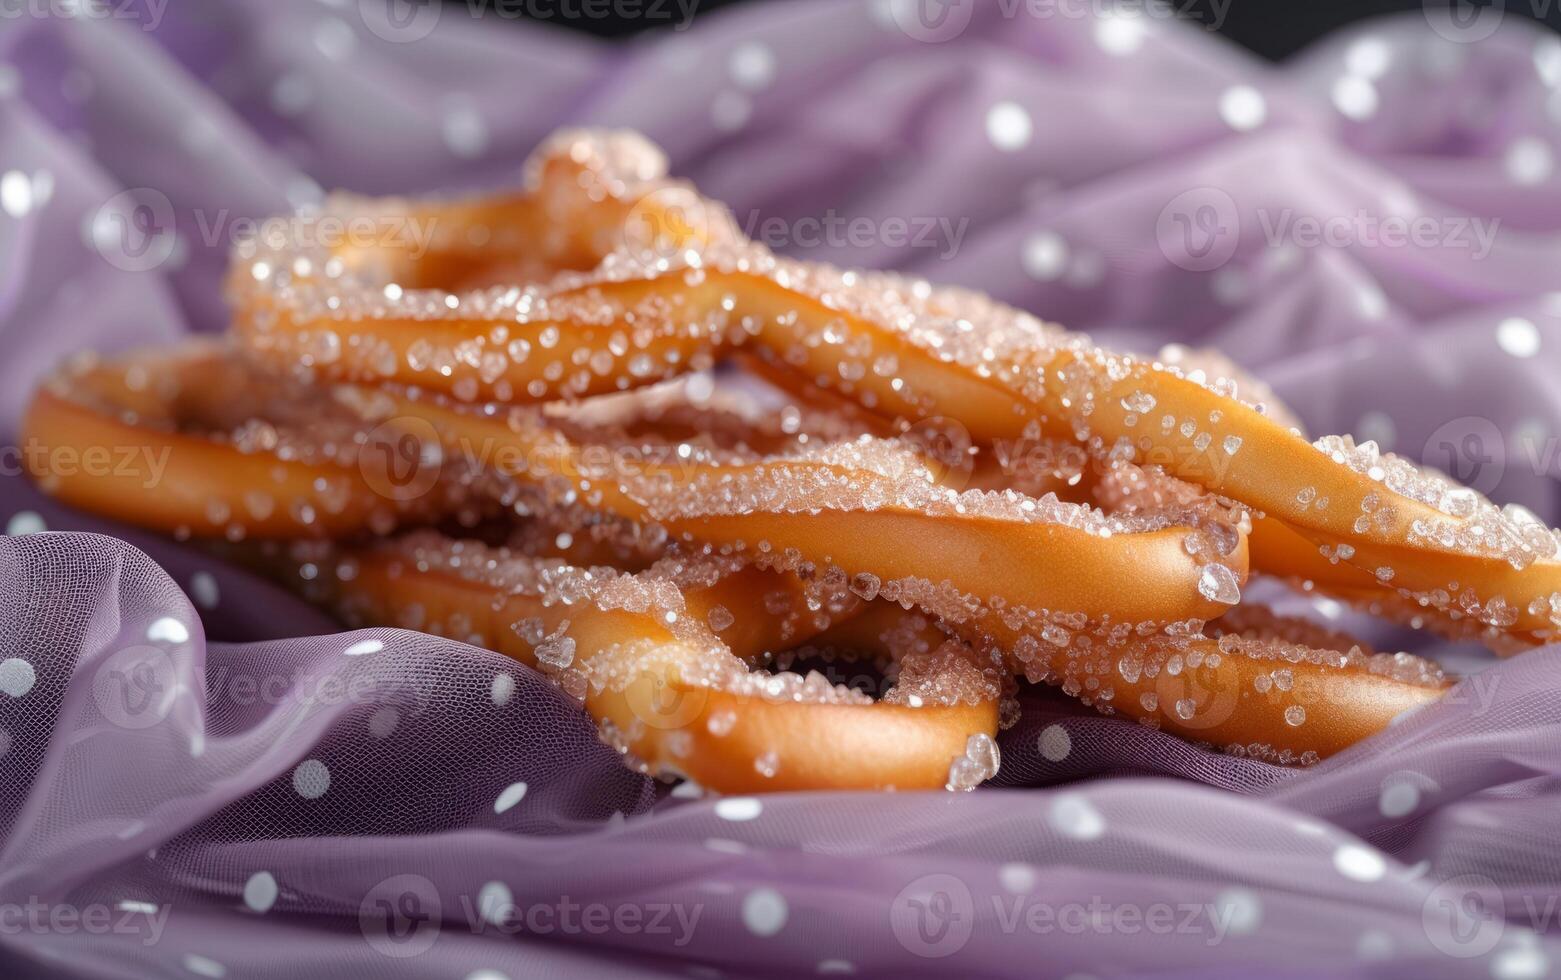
[[219, 450], [872, 509], [661, 659]]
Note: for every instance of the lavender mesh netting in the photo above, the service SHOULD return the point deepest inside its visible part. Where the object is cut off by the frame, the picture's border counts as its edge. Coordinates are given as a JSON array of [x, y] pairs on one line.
[[191, 790]]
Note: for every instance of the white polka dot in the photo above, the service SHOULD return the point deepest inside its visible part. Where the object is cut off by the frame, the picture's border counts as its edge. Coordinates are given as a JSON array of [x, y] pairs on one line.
[[730, 111], [1008, 126], [764, 912], [1243, 108], [17, 677], [837, 967], [1520, 963], [1547, 61], [204, 966], [1045, 256], [687, 790], [495, 902], [16, 193], [1518, 337], [1076, 817], [1377, 427], [1533, 435], [1016, 877], [1399, 798], [738, 808], [291, 94], [723, 846], [465, 131], [487, 975], [260, 891], [1359, 863], [1530, 161], [1371, 301], [1374, 944], [511, 795], [1368, 57], [383, 722], [1119, 33], [1328, 608], [1086, 269], [1240, 910], [1230, 285], [502, 689], [169, 630], [752, 65], [303, 192], [204, 590], [1055, 743], [363, 647], [1355, 96], [25, 522], [334, 38], [311, 779], [136, 906]]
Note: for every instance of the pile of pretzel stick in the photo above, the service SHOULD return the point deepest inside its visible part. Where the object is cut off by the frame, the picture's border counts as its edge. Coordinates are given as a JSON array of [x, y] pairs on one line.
[[591, 426]]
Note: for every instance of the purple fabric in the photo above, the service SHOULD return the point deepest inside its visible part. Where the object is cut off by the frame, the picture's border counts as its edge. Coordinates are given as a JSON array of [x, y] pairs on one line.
[[189, 789]]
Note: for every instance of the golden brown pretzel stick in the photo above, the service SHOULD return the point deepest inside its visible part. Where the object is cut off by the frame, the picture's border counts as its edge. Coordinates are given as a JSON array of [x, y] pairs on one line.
[[870, 510], [175, 441], [1263, 696], [642, 653]]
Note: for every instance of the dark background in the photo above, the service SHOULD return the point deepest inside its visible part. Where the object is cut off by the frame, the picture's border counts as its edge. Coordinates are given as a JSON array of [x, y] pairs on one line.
[[1272, 28]]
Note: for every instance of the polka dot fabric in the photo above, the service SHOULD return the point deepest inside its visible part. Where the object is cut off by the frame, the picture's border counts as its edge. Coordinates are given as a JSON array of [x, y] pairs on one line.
[[201, 777]]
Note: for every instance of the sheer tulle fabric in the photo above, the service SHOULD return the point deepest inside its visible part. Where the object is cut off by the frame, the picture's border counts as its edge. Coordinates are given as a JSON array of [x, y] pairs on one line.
[[263, 800]]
